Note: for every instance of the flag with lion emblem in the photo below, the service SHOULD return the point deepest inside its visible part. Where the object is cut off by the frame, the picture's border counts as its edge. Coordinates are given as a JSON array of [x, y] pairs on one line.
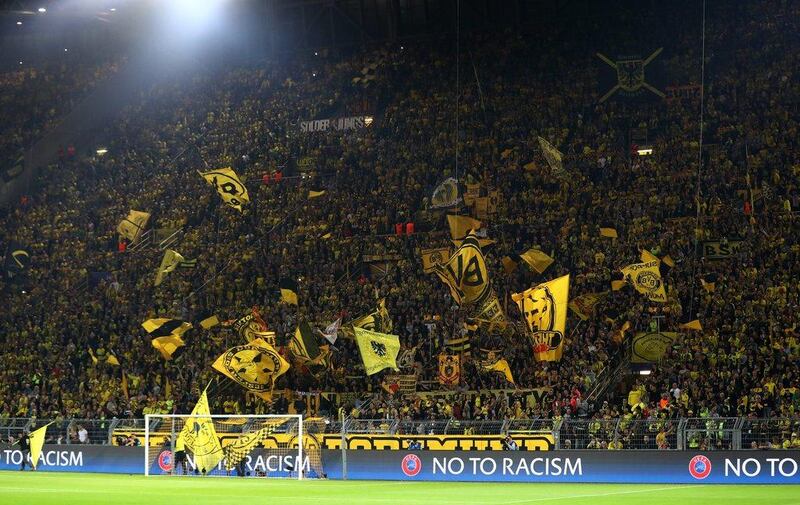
[[544, 308]]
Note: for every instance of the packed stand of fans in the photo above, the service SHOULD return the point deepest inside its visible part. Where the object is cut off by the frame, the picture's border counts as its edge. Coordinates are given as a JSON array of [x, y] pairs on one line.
[[743, 363]]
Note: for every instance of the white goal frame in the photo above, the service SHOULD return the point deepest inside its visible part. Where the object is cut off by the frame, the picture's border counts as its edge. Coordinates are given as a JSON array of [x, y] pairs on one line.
[[149, 417]]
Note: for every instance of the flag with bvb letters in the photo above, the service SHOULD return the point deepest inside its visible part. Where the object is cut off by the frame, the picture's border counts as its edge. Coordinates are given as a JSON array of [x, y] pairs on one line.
[[432, 257], [378, 350], [200, 437], [544, 308], [255, 366], [465, 273], [490, 315], [646, 279], [229, 187]]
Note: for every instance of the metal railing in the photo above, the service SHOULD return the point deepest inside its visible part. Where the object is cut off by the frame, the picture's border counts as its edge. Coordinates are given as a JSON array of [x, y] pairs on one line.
[[707, 433]]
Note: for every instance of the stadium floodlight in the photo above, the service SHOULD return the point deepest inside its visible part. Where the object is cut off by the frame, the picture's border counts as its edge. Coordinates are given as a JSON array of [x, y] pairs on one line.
[[19, 23], [42, 10]]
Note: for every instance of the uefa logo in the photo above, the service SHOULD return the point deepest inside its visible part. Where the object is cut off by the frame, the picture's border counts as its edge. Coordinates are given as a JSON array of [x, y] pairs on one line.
[[700, 467], [411, 465], [165, 461]]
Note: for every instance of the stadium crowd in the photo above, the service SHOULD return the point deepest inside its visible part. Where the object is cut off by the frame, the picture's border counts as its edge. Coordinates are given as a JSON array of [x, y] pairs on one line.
[[83, 292]]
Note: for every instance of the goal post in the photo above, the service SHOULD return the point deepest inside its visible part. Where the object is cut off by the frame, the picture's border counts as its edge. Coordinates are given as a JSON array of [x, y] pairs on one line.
[[274, 446]]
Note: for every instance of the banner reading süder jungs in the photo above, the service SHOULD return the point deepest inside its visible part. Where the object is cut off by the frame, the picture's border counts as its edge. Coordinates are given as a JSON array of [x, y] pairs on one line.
[[728, 467]]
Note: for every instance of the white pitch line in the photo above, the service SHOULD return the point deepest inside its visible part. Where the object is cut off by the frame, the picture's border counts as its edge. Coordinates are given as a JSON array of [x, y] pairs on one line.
[[599, 495]]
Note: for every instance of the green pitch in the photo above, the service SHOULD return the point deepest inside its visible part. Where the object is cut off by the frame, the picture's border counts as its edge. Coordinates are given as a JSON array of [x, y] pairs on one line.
[[21, 488]]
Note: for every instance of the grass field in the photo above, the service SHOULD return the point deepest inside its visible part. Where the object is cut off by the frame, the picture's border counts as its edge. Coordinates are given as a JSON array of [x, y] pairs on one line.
[[87, 489]]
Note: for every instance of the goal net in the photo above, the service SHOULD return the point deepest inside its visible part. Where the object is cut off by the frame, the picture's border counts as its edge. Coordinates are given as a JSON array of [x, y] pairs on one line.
[[275, 446]]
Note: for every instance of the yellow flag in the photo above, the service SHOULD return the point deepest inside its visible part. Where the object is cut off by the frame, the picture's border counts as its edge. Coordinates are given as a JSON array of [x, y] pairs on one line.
[[465, 273], [315, 193], [545, 310], [537, 260], [668, 261], [650, 347], [617, 285], [239, 448], [199, 436], [583, 306], [37, 442], [646, 279], [255, 366], [608, 232], [647, 256], [209, 322], [431, 257], [461, 225], [229, 187], [708, 286], [501, 366], [378, 350], [692, 325], [133, 225], [509, 265], [168, 345], [169, 263], [482, 241]]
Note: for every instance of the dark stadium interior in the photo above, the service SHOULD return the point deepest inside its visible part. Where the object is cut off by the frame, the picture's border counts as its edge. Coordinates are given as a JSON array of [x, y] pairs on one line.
[[694, 158]]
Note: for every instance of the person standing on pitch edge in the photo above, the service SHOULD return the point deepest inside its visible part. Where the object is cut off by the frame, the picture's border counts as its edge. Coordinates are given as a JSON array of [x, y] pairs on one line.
[[25, 447]]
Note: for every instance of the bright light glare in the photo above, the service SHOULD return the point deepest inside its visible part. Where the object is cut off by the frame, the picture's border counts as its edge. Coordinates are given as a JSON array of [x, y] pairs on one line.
[[101, 151], [645, 372], [647, 151], [113, 9], [42, 10], [19, 23]]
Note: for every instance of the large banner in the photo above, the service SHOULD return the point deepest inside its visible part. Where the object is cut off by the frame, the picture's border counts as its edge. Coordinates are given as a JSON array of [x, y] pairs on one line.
[[336, 124], [628, 467], [78, 458], [721, 249]]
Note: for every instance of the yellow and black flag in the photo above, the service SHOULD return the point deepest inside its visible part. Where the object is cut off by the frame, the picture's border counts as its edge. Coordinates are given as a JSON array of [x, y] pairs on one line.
[[255, 366], [167, 335], [460, 226], [446, 194], [449, 369], [432, 257], [490, 315], [500, 367], [132, 226], [304, 346], [608, 232], [315, 193], [545, 310], [692, 325], [378, 321], [583, 306], [251, 326], [465, 273], [200, 437], [170, 261], [536, 259], [18, 260], [289, 290], [239, 448], [378, 350], [229, 187], [646, 279]]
